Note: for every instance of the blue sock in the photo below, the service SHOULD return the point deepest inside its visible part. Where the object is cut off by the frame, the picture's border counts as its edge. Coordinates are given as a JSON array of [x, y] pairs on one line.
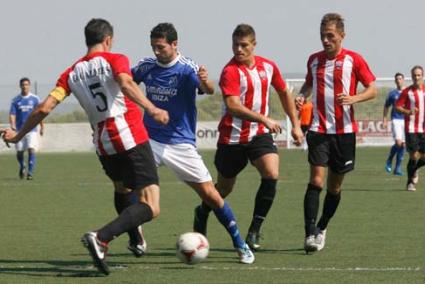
[[393, 151], [400, 157], [31, 162], [20, 157], [226, 218]]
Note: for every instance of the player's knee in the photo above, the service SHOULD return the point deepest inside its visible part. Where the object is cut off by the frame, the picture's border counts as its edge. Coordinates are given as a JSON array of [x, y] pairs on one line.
[[155, 210], [317, 181]]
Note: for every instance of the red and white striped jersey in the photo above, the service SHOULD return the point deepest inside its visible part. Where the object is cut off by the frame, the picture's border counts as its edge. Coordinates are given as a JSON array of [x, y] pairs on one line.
[[116, 121], [411, 98], [252, 85], [330, 77]]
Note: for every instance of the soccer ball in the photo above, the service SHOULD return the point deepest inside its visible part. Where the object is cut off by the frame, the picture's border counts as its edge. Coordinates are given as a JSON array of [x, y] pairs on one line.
[[192, 247]]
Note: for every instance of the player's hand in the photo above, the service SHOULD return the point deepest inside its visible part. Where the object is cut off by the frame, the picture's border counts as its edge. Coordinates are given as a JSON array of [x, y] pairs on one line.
[[299, 101], [41, 131], [297, 135], [273, 125], [344, 99], [9, 136], [159, 115], [203, 74], [385, 123], [414, 111]]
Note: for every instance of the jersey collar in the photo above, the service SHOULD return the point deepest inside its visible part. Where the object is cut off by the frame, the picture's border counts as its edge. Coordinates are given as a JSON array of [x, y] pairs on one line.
[[172, 63]]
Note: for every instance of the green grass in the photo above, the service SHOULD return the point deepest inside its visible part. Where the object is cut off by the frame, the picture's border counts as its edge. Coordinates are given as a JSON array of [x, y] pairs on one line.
[[377, 235]]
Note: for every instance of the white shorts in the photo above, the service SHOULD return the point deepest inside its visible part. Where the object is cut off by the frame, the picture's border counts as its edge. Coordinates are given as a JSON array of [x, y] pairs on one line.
[[183, 159], [30, 141], [398, 129]]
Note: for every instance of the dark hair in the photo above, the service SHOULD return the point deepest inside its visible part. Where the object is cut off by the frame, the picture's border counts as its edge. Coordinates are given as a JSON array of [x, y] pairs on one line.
[[398, 74], [417, 67], [24, 79], [243, 30], [164, 30], [333, 18], [97, 30]]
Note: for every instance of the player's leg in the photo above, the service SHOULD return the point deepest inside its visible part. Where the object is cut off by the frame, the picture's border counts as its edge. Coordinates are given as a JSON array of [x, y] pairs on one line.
[[225, 216], [318, 157], [394, 148], [229, 161], [32, 145], [398, 131], [136, 169], [268, 167], [412, 146], [20, 150]]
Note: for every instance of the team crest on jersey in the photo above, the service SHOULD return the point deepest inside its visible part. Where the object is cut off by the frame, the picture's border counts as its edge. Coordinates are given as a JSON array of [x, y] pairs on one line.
[[149, 78], [173, 82], [338, 64], [262, 74]]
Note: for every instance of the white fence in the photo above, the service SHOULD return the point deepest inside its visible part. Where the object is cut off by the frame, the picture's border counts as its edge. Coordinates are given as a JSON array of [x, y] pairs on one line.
[[76, 137]]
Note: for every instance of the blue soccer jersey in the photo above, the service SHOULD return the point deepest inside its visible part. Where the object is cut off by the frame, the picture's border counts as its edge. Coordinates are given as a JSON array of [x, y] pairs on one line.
[[172, 87], [391, 101], [21, 107]]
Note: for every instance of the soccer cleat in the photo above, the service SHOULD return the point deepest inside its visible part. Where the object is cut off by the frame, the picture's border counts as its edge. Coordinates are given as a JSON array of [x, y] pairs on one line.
[[388, 166], [30, 177], [245, 254], [411, 187], [97, 250], [415, 177], [200, 221], [310, 244], [320, 239], [140, 248], [22, 173], [253, 240]]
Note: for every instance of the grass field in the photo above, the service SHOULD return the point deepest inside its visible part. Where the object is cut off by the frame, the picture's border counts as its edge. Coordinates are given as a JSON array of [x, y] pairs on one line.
[[377, 235]]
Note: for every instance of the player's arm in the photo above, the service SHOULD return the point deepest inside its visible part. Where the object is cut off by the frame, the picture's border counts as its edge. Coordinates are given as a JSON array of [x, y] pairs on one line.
[[12, 121], [369, 93], [304, 93], [133, 92], [288, 106], [41, 128], [206, 85], [36, 116], [385, 114], [237, 109]]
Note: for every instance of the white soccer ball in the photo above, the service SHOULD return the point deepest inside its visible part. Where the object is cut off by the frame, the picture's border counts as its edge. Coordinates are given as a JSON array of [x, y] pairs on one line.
[[192, 247]]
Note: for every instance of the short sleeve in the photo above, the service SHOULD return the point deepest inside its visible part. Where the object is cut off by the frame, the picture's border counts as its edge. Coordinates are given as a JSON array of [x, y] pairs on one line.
[[120, 64], [277, 80], [230, 81], [12, 110], [363, 72]]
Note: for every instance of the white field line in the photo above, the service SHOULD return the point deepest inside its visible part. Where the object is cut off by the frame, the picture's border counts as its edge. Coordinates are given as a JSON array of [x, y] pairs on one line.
[[330, 269]]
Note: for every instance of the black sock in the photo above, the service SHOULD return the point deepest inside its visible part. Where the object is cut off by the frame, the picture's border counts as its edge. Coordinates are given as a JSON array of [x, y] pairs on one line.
[[311, 208], [205, 208], [130, 218], [122, 201], [420, 163], [329, 207], [263, 202], [411, 168]]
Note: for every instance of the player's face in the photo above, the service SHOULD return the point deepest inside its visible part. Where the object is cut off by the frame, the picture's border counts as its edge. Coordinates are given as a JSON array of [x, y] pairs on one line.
[[164, 52], [331, 38], [399, 81], [417, 77], [25, 87], [243, 49]]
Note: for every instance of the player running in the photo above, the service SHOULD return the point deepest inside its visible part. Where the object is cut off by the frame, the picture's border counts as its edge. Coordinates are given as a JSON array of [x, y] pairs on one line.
[[246, 128], [103, 84], [172, 81]]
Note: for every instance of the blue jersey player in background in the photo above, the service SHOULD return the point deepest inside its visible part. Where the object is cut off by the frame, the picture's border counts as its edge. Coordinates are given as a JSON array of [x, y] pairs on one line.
[[172, 82], [21, 107], [397, 127]]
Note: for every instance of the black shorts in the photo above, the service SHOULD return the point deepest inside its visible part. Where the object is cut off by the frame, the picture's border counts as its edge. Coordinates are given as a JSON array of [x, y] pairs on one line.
[[230, 160], [305, 128], [338, 151], [415, 142], [135, 168]]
